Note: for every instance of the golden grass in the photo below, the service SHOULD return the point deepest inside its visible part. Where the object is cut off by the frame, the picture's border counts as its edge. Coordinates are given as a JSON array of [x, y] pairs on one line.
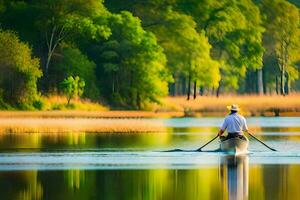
[[56, 102], [88, 114], [66, 125], [250, 105], [104, 121]]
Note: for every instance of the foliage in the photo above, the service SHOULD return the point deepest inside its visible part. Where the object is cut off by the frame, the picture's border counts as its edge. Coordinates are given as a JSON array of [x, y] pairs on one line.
[[19, 70], [72, 62], [72, 87], [132, 58], [187, 49], [234, 29], [132, 62], [282, 38], [55, 102]]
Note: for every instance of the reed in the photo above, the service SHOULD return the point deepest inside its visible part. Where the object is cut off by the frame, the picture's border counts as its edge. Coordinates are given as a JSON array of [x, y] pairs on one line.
[[56, 102], [66, 125], [89, 114], [251, 105]]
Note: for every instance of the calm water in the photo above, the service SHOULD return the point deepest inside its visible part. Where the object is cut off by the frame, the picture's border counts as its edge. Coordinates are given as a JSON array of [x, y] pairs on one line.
[[132, 166]]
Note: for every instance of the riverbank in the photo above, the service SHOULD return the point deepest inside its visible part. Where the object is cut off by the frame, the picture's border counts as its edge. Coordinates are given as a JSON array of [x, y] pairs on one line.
[[251, 105], [75, 125], [172, 107]]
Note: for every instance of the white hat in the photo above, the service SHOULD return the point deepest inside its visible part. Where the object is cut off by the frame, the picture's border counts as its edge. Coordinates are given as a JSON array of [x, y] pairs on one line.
[[233, 107]]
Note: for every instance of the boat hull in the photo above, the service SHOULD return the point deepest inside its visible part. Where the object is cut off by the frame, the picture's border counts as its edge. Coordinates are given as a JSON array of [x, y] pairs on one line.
[[236, 145]]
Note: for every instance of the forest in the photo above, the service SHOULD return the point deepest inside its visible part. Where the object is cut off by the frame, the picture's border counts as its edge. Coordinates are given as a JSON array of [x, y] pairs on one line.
[[129, 53]]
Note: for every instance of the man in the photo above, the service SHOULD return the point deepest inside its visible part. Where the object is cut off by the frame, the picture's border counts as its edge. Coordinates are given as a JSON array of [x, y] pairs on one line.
[[234, 123]]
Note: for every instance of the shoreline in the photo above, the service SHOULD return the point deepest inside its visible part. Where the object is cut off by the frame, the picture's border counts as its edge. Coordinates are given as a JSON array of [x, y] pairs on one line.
[[75, 125], [139, 114], [170, 107]]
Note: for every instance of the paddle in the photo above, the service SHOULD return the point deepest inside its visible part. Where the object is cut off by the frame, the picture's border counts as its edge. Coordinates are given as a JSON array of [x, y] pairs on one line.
[[261, 141], [207, 143]]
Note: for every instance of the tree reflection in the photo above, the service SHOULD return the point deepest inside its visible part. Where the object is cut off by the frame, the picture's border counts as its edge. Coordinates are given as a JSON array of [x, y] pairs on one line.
[[232, 179]]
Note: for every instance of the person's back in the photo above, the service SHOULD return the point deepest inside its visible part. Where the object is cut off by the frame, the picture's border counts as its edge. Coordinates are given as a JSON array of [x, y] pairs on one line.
[[234, 123]]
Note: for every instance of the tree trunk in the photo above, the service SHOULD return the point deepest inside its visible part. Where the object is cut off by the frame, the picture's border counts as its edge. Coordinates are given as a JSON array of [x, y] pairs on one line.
[[172, 89], [264, 81], [183, 86], [173, 86], [219, 89], [69, 100], [57, 35], [138, 100], [276, 84], [249, 83], [282, 82], [116, 82], [189, 87], [201, 91], [195, 89], [113, 83], [260, 87], [287, 84]]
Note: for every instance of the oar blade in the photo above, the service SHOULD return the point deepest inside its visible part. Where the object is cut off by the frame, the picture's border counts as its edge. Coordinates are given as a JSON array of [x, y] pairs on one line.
[[273, 149]]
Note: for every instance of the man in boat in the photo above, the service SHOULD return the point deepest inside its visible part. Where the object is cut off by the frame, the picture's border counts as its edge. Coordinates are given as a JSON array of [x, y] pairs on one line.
[[234, 123]]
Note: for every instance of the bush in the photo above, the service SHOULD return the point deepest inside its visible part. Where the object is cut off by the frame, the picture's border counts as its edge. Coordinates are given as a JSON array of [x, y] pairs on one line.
[[73, 62], [72, 87], [39, 104], [19, 71]]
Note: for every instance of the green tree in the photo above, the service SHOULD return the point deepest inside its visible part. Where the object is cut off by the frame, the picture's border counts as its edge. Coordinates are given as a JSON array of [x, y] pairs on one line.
[[72, 87], [19, 71], [72, 62], [234, 29], [131, 63], [187, 49], [46, 24], [58, 19], [282, 39]]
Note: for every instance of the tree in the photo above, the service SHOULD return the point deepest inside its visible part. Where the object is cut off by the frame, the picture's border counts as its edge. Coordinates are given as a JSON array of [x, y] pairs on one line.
[[176, 32], [58, 19], [131, 63], [72, 87], [70, 61], [19, 71], [187, 50], [46, 24], [234, 29], [282, 38]]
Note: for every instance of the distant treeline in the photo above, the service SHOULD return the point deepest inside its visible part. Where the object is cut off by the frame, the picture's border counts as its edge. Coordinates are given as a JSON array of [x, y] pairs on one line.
[[131, 52]]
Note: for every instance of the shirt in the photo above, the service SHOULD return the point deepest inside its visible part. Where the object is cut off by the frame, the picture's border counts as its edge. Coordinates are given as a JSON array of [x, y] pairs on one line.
[[234, 123]]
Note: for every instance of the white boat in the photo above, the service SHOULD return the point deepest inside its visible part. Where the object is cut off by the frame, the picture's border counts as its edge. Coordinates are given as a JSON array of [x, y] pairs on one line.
[[236, 145]]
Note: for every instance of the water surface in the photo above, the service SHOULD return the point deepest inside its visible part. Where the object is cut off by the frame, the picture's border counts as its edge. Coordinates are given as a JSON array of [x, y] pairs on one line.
[[132, 166]]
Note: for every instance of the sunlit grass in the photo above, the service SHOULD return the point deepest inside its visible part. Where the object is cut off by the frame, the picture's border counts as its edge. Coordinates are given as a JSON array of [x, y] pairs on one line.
[[88, 114], [250, 104], [55, 102], [66, 125]]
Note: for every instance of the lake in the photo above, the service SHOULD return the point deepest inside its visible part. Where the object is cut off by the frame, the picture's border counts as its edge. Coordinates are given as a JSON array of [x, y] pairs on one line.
[[134, 166]]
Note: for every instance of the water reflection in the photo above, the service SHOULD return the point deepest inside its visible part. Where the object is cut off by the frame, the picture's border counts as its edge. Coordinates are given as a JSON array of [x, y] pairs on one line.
[[83, 141], [234, 174], [233, 179]]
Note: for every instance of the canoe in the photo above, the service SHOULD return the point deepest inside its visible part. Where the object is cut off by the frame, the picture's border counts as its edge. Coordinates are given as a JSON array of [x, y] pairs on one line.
[[236, 145]]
